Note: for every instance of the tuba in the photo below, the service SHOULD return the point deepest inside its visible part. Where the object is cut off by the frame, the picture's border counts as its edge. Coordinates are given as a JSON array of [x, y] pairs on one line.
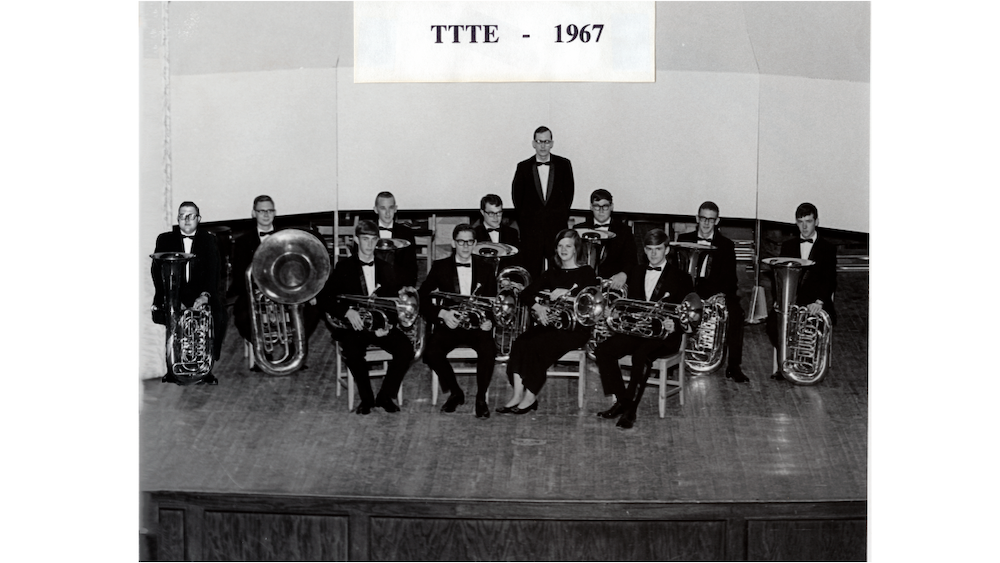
[[706, 350], [289, 268], [804, 339], [190, 332], [379, 313], [591, 308], [512, 317], [646, 319]]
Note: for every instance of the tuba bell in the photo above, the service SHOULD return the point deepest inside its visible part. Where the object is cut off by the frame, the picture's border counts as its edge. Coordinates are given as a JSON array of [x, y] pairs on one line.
[[289, 268], [804, 338], [512, 317], [561, 313], [379, 313], [646, 319], [190, 332], [591, 308], [706, 350]]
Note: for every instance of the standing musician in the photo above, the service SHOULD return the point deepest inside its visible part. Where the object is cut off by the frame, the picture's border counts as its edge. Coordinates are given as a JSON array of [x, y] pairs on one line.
[[618, 255], [492, 229], [542, 345], [200, 286], [819, 281], [461, 274], [366, 274], [403, 260], [243, 251], [652, 282], [542, 192], [718, 275]]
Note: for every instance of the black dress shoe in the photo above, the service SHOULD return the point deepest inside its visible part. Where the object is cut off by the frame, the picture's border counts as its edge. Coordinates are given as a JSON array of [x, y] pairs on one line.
[[386, 404], [737, 375], [482, 409], [169, 378], [209, 380], [506, 410], [452, 403], [778, 376], [255, 368], [615, 411], [529, 408], [627, 420], [363, 408]]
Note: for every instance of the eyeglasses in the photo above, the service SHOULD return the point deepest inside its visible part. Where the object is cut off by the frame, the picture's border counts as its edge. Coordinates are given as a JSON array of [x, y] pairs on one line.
[[188, 217], [544, 142], [494, 213], [596, 207], [702, 219], [463, 242], [263, 211]]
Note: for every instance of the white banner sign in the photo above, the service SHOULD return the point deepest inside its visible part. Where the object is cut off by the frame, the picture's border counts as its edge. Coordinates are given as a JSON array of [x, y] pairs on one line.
[[504, 42]]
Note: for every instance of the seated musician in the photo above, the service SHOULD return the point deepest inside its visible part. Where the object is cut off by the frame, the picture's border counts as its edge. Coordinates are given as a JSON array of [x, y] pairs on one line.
[[263, 215], [819, 281], [543, 344], [618, 255], [200, 286], [492, 229], [460, 274], [653, 282], [718, 275], [403, 260], [365, 274]]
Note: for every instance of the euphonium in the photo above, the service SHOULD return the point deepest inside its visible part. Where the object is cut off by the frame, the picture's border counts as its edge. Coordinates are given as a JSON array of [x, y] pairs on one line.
[[289, 268], [706, 350], [591, 308], [804, 338], [190, 332], [561, 311], [648, 319], [471, 310], [512, 318], [379, 313]]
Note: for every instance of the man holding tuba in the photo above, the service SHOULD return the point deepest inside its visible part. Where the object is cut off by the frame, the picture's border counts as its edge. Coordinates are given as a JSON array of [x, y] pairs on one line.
[[460, 275], [819, 281], [200, 284], [617, 256], [718, 275], [364, 274], [653, 282], [403, 260], [492, 229]]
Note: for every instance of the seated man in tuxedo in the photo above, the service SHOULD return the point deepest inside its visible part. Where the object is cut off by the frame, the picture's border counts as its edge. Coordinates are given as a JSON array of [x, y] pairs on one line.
[[653, 282], [404, 260], [200, 286], [365, 274], [264, 215], [718, 275], [459, 273], [819, 281], [492, 229], [617, 256]]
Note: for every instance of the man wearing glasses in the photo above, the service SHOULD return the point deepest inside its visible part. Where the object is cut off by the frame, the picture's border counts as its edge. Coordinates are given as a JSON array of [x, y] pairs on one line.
[[542, 192], [492, 229], [616, 257], [718, 275], [459, 274]]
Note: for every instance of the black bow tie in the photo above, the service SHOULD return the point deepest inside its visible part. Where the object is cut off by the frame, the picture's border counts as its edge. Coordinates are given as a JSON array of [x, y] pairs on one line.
[[381, 228], [657, 268], [188, 236], [708, 240], [541, 163], [604, 226], [497, 230], [809, 240], [364, 264], [263, 234], [461, 265]]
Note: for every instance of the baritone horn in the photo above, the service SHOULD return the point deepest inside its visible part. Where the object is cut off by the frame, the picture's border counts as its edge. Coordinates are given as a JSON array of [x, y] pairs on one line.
[[804, 338], [706, 350], [471, 310], [648, 319], [289, 268], [512, 317], [561, 313], [378, 313], [591, 308], [190, 332]]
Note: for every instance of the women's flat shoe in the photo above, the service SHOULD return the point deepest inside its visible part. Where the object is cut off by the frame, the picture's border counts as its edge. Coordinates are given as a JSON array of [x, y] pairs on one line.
[[529, 408], [505, 410]]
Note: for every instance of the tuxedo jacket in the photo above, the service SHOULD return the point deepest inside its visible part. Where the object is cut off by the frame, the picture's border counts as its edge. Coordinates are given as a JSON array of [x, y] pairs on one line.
[[533, 208], [619, 254], [673, 283], [721, 272], [404, 261], [508, 234], [819, 281], [205, 268], [443, 276], [348, 279]]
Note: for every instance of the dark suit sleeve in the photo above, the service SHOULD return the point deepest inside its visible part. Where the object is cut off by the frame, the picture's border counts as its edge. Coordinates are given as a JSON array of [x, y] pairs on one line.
[[431, 283], [826, 282], [517, 186], [210, 264], [406, 262]]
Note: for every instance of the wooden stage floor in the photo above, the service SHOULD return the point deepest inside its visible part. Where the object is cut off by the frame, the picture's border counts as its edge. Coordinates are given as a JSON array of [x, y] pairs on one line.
[[764, 441]]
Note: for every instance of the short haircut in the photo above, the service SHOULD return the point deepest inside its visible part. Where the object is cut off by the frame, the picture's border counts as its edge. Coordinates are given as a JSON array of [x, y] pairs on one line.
[[385, 195], [599, 194], [654, 237], [462, 227], [492, 199], [806, 209], [541, 130], [577, 240], [709, 205], [366, 227], [262, 198], [188, 204]]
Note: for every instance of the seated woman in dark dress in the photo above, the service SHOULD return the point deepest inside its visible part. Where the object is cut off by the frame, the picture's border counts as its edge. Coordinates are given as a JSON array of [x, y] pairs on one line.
[[542, 345]]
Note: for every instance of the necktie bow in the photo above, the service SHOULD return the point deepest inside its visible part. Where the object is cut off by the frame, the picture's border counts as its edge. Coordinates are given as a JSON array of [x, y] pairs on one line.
[[708, 240], [381, 228], [366, 264], [188, 236], [263, 234], [461, 265], [809, 240], [537, 163], [657, 268], [497, 230], [605, 226]]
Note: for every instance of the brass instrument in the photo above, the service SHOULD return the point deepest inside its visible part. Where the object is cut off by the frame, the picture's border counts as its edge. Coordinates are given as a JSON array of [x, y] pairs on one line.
[[379, 313], [190, 332], [472, 310], [648, 319], [591, 308], [512, 318], [593, 244], [289, 268], [804, 339], [706, 350], [561, 313]]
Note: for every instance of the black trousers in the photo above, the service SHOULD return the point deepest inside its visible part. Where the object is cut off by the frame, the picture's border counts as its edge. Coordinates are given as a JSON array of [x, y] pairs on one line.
[[354, 344], [443, 340], [643, 351], [734, 331]]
